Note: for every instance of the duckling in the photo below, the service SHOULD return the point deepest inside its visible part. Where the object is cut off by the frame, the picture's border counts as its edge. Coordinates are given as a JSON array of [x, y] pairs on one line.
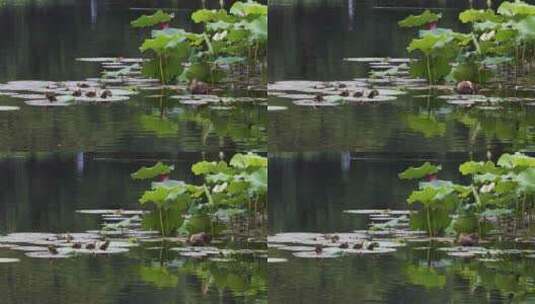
[[468, 239], [318, 98], [69, 238], [318, 249], [465, 87], [344, 245], [373, 93], [335, 238], [200, 239], [52, 249], [90, 246], [82, 85], [198, 87], [344, 93], [51, 96], [358, 245], [372, 245], [358, 94], [105, 94], [104, 246], [77, 245], [91, 94], [77, 93], [342, 85]]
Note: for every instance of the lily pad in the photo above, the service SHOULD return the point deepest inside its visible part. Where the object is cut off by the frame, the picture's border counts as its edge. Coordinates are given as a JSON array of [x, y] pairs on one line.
[[8, 260], [277, 260], [9, 108]]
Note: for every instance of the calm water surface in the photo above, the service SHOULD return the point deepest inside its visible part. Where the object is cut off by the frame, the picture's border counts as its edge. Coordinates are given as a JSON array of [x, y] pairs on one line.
[[301, 47], [41, 192], [41, 40], [308, 193]]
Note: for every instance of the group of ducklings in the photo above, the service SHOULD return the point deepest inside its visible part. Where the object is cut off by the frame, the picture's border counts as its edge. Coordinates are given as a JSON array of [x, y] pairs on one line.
[[359, 244], [100, 245], [77, 92]]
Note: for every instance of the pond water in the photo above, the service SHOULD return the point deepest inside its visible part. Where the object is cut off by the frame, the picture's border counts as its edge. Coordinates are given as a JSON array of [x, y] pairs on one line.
[[41, 193], [41, 41], [303, 48], [309, 192]]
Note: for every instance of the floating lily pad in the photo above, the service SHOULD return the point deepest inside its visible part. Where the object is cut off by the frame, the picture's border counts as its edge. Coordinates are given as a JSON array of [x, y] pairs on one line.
[[9, 108], [277, 260], [8, 260], [110, 211], [47, 255], [296, 248], [29, 248], [313, 103], [276, 108], [46, 103]]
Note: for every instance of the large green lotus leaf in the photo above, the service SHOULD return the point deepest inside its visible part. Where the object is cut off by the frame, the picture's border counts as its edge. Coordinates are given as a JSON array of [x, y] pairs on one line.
[[425, 44], [156, 196], [420, 172], [419, 20], [203, 71], [250, 8], [517, 160], [425, 276], [151, 172], [473, 167], [440, 67], [151, 20], [425, 196], [526, 180], [161, 43], [249, 160], [473, 15], [526, 28], [258, 180], [258, 28], [206, 167], [429, 126], [470, 71], [205, 15], [517, 8]]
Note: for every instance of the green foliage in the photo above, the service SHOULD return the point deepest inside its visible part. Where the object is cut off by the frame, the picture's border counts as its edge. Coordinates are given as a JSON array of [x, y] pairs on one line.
[[151, 172], [420, 172], [420, 20], [151, 20], [497, 190], [234, 189], [425, 276], [234, 37]]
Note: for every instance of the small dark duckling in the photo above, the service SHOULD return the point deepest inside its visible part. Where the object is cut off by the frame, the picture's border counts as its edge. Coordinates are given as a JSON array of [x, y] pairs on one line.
[[91, 94], [466, 87], [344, 93], [82, 85], [69, 238], [318, 249], [104, 246], [468, 239], [358, 94], [77, 93], [335, 238], [200, 239], [342, 85], [105, 94], [318, 98], [51, 96], [90, 246], [198, 87], [358, 245], [77, 245], [344, 245], [372, 245], [373, 93], [52, 249]]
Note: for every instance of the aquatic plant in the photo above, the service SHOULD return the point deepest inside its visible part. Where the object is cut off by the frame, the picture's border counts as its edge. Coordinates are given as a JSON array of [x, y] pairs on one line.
[[497, 192], [237, 189], [230, 39], [499, 40]]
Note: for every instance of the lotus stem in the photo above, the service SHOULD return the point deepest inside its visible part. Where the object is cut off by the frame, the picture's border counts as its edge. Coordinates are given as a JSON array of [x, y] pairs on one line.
[[429, 222], [428, 63], [161, 222]]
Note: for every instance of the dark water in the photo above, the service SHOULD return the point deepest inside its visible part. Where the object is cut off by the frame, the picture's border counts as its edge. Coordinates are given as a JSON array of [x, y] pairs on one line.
[[308, 193], [40, 41], [41, 192], [301, 47]]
